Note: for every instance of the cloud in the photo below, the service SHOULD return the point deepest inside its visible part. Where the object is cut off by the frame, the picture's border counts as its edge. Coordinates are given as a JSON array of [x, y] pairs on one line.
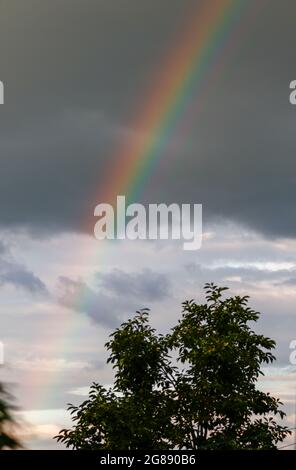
[[49, 365], [80, 391], [77, 296], [17, 275], [144, 285], [279, 374], [117, 294], [3, 248], [74, 81], [38, 426]]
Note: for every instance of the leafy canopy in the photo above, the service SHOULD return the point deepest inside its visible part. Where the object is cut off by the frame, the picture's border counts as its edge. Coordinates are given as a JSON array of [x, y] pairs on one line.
[[7, 423], [205, 399]]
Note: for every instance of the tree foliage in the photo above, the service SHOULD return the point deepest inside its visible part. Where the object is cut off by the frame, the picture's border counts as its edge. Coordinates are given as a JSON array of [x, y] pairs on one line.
[[7, 423], [206, 398]]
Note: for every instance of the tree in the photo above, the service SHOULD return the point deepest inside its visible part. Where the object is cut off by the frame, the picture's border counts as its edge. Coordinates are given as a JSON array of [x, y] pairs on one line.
[[206, 399], [7, 423]]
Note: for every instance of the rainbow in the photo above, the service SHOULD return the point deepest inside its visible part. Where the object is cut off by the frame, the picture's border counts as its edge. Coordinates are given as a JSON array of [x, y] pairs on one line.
[[178, 90], [173, 89]]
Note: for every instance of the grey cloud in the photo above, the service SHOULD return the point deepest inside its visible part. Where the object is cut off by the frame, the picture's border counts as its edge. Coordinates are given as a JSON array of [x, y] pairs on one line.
[[65, 64], [247, 275], [118, 295], [20, 277], [76, 295], [277, 319], [144, 285], [289, 281]]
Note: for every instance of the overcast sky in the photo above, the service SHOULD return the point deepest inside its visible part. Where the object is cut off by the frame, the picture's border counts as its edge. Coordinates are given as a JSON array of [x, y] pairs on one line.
[[74, 72]]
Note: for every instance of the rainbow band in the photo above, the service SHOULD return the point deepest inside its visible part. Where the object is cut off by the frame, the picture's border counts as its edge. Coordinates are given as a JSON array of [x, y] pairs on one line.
[[202, 43]]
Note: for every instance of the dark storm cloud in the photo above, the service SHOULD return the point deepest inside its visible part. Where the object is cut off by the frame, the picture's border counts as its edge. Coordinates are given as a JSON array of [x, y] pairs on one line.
[[119, 294], [74, 70]]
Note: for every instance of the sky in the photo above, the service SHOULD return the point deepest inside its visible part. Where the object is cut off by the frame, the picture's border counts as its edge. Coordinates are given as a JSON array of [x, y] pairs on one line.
[[77, 74]]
